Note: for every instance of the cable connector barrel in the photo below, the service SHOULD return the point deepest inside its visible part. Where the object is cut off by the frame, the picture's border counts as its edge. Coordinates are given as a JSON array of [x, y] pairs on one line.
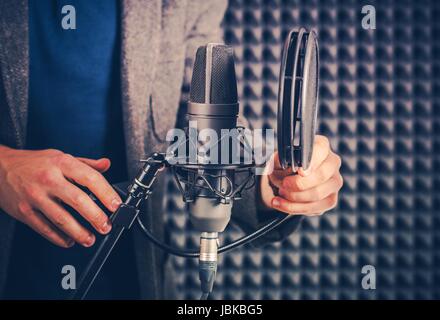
[[208, 261]]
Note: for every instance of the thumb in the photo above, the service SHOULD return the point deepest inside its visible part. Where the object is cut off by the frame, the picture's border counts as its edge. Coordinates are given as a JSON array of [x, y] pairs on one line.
[[276, 161], [101, 165], [276, 168]]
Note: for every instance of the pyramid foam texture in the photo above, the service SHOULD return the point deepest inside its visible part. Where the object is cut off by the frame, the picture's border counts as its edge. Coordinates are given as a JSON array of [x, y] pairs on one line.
[[380, 107]]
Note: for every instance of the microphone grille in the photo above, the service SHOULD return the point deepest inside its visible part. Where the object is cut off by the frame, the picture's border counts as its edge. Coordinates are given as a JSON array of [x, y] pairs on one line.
[[213, 80], [197, 91]]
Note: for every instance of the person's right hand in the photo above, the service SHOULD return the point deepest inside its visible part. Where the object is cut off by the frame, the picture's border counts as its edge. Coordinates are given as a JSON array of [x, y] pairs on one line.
[[33, 184]]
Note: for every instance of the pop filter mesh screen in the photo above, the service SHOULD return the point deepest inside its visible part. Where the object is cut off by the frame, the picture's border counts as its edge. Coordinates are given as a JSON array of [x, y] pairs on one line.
[[379, 104], [309, 103]]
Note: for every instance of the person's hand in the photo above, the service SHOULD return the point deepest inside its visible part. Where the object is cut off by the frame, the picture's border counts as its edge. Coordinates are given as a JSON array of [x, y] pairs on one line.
[[33, 184], [310, 192]]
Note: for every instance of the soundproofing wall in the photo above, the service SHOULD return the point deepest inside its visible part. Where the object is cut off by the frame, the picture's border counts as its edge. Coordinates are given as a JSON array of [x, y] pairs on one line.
[[380, 107]]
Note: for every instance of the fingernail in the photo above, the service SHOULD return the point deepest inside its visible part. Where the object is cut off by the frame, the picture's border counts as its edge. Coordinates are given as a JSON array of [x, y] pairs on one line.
[[106, 227], [276, 202], [70, 243], [116, 203], [90, 241], [105, 161]]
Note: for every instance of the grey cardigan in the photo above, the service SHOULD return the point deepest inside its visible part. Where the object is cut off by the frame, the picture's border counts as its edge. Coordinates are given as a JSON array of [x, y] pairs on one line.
[[158, 37]]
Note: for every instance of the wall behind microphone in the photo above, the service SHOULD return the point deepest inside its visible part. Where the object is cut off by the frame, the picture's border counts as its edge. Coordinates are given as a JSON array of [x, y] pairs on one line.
[[380, 107]]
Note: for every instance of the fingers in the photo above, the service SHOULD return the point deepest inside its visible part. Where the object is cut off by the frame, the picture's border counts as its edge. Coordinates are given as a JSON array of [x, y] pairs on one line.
[[84, 205], [37, 222], [308, 209], [102, 165], [277, 175], [321, 151], [65, 222], [86, 176], [276, 161], [318, 176], [310, 192], [314, 194], [277, 178]]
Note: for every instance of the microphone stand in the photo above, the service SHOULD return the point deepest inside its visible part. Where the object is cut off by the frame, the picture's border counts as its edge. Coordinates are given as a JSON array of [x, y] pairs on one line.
[[122, 220]]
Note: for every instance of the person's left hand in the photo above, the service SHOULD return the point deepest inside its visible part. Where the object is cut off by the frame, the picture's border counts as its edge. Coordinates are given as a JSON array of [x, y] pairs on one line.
[[310, 192]]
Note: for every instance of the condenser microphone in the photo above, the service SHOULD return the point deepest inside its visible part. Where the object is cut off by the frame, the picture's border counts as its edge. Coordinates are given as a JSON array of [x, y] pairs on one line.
[[208, 180], [213, 105]]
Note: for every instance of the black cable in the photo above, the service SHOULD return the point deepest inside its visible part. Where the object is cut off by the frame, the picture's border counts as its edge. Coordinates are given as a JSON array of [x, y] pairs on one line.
[[206, 271], [164, 246], [255, 235], [195, 254]]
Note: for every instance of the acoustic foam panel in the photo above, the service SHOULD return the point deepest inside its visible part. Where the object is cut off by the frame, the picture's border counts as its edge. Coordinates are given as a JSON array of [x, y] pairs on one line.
[[380, 107]]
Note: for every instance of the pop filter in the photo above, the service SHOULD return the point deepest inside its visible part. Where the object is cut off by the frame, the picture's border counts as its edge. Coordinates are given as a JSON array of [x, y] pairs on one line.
[[298, 99]]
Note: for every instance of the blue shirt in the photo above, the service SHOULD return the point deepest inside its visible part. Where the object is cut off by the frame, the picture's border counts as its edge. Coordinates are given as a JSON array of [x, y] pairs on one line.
[[74, 92], [74, 106]]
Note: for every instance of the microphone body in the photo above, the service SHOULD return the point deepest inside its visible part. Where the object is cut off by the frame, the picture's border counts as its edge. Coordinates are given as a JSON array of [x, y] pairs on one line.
[[213, 110], [210, 187]]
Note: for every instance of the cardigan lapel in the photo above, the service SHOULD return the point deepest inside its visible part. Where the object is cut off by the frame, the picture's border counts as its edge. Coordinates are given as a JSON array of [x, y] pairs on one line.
[[14, 62], [141, 25]]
